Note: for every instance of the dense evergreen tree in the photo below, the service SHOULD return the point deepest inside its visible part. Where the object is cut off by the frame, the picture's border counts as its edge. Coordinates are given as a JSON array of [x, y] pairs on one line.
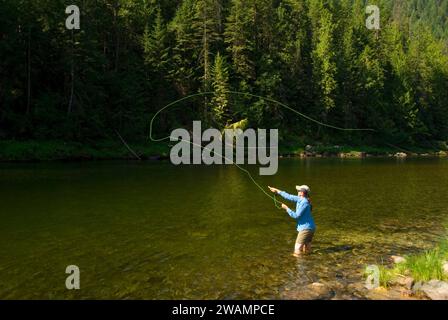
[[131, 58], [220, 85]]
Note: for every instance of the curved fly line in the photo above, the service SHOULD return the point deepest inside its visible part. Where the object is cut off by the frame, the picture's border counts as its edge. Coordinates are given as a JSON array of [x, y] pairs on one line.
[[276, 202]]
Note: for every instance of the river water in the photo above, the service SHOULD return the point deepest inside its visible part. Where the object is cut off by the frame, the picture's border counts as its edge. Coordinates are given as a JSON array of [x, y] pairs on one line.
[[151, 230]]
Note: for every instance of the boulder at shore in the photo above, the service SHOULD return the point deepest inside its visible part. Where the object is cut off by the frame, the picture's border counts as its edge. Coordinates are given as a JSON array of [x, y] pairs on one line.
[[445, 267], [436, 289], [397, 259], [401, 155]]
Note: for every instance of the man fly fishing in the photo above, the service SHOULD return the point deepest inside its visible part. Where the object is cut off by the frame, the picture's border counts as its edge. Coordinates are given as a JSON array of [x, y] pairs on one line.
[[305, 221]]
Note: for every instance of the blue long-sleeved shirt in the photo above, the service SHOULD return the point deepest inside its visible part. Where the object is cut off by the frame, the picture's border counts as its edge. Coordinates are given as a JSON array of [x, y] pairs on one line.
[[302, 214]]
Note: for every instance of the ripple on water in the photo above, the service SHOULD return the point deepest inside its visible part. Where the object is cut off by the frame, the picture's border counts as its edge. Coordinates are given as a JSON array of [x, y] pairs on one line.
[[154, 231]]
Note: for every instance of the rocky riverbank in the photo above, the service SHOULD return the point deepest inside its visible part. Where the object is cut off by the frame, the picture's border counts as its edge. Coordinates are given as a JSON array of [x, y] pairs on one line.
[[342, 152], [17, 151], [409, 279], [398, 287], [422, 276]]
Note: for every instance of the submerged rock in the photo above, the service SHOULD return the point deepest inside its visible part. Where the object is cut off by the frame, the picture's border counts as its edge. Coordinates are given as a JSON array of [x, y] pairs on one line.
[[436, 289], [314, 291], [394, 293], [320, 291]]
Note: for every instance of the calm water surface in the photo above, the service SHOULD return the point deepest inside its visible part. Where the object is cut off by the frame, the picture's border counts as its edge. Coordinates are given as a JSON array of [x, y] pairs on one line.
[[155, 231]]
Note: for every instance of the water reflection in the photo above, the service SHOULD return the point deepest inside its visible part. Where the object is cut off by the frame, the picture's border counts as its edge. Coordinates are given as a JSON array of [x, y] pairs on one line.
[[154, 231]]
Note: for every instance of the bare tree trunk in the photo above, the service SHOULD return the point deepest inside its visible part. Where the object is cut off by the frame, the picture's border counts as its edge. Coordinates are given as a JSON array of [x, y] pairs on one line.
[[72, 75], [117, 54], [117, 36], [28, 96], [206, 64]]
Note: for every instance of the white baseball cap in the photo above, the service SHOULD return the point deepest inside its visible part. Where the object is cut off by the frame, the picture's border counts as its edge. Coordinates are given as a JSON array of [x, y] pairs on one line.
[[303, 188]]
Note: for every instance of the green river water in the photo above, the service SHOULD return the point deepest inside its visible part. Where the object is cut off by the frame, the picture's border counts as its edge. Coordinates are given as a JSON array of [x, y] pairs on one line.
[[150, 230]]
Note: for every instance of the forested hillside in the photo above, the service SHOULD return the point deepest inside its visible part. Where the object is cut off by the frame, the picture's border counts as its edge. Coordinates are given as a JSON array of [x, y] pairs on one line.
[[432, 13], [131, 58]]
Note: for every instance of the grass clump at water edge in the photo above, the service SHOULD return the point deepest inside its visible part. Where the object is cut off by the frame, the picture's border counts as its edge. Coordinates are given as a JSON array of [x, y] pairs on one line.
[[421, 267]]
